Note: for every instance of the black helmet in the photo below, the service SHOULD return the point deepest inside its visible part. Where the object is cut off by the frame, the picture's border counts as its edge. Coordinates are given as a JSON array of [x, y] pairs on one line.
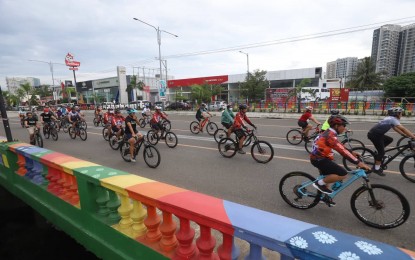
[[337, 120], [228, 106], [334, 112], [242, 106]]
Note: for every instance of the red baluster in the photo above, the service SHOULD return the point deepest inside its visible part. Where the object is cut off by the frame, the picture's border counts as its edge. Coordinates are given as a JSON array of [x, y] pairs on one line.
[[206, 243], [152, 222], [187, 249], [227, 250], [21, 161], [168, 240]]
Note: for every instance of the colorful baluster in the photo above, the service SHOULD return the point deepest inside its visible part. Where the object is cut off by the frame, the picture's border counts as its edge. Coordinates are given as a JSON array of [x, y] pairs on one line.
[[29, 168], [138, 215], [73, 190], [168, 240], [255, 252], [186, 249], [21, 162], [206, 243], [102, 200], [228, 250], [152, 223], [125, 210], [37, 173], [113, 204]]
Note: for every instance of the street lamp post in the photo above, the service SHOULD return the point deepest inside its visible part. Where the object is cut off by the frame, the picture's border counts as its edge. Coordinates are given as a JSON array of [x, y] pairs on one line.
[[159, 43], [247, 63], [51, 70]]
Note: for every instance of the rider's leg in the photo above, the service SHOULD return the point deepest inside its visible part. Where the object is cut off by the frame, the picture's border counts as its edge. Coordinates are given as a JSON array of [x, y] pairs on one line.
[[131, 141], [307, 129], [229, 132]]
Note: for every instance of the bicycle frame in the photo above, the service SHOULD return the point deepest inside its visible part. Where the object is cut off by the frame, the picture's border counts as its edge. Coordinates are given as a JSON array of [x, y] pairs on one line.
[[400, 151]]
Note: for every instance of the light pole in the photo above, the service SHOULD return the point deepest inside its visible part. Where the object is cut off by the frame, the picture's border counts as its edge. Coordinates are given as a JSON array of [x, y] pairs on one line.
[[159, 43], [247, 63], [51, 70]]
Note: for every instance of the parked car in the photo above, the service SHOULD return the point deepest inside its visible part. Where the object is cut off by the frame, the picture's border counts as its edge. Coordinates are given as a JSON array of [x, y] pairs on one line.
[[178, 106], [217, 105]]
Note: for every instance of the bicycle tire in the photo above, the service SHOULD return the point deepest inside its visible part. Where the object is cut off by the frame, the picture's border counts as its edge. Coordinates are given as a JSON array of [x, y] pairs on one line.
[[194, 127], [289, 186], [409, 171], [125, 151], [219, 134], [167, 126], [54, 134], [152, 137], [82, 134], [65, 127], [227, 147], [151, 152], [142, 122], [39, 140], [95, 122], [375, 216], [83, 125], [171, 139], [72, 132], [105, 134], [352, 143], [262, 152], [46, 133], [114, 142], [366, 155], [211, 128], [308, 145], [294, 136], [402, 141]]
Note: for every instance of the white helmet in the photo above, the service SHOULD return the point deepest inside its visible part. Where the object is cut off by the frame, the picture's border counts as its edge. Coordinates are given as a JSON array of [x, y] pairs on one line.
[[157, 108], [309, 108]]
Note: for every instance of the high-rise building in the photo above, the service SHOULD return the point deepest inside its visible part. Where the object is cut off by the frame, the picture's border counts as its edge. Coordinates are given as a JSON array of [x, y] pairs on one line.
[[407, 50], [14, 83], [341, 68]]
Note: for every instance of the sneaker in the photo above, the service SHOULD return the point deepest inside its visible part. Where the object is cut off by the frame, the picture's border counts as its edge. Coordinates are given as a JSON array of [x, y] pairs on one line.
[[132, 159], [322, 188], [378, 172], [241, 151]]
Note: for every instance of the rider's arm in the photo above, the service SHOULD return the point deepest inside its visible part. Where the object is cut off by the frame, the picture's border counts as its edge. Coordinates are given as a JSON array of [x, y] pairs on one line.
[[404, 131], [334, 143], [314, 120], [249, 121]]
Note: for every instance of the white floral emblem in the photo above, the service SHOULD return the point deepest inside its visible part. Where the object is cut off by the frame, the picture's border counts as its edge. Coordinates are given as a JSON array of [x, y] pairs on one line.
[[112, 173], [298, 242], [324, 237], [96, 176], [348, 256], [368, 248]]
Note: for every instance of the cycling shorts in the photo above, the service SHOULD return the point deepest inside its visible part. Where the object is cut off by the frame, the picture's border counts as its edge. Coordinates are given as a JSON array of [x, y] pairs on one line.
[[327, 167], [157, 126], [227, 125], [239, 133], [380, 142], [302, 124], [115, 129]]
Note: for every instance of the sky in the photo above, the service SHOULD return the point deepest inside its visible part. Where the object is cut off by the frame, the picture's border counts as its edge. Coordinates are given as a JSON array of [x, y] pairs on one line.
[[102, 34]]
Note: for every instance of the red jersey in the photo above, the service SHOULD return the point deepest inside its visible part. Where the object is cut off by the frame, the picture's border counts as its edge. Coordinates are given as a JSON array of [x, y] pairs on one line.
[[238, 122], [108, 118], [305, 116], [325, 142], [157, 116], [117, 120]]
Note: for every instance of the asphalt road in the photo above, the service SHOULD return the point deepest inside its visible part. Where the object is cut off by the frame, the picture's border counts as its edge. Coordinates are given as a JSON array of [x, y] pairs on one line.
[[196, 164]]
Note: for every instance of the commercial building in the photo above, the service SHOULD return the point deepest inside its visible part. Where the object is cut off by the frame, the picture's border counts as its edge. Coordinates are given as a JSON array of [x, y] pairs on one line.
[[342, 68], [14, 83]]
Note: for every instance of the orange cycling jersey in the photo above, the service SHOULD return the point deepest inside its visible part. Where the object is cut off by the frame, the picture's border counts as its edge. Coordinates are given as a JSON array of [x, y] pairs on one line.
[[238, 121], [325, 142], [157, 117]]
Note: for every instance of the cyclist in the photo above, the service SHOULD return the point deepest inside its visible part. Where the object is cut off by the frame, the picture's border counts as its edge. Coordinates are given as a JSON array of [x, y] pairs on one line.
[[108, 119], [303, 121], [131, 131], [377, 134], [73, 117], [200, 116], [237, 125], [46, 118], [98, 112], [326, 125], [321, 156], [146, 113], [116, 123], [227, 119], [156, 123], [30, 124]]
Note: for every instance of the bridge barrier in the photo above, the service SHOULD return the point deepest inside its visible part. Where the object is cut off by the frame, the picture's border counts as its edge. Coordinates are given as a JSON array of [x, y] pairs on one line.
[[118, 215]]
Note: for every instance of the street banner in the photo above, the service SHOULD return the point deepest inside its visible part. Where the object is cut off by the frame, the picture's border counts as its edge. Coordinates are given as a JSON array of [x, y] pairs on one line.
[[162, 88], [339, 94]]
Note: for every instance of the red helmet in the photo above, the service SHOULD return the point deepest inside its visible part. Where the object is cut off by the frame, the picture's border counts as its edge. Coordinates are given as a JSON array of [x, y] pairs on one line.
[[337, 120], [46, 110]]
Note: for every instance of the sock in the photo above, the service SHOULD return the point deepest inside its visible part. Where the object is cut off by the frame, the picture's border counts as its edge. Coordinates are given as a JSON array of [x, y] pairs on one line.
[[321, 182], [377, 167]]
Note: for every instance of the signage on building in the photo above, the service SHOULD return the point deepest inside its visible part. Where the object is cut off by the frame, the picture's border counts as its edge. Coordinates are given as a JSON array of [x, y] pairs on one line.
[[84, 86], [214, 80], [105, 83], [162, 88], [68, 83], [339, 94]]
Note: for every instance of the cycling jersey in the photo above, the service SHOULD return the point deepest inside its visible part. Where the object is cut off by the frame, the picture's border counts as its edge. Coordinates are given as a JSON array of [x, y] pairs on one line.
[[146, 111], [108, 117], [304, 117], [227, 117], [47, 117], [117, 121], [199, 113], [384, 125], [74, 116], [31, 121], [326, 125], [157, 117], [133, 123], [325, 142], [238, 123]]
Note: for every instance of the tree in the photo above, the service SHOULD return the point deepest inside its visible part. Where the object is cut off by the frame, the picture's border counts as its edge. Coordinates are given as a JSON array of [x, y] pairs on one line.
[[365, 76], [10, 99], [20, 93], [201, 93], [134, 84], [43, 91], [400, 86], [254, 86], [27, 90]]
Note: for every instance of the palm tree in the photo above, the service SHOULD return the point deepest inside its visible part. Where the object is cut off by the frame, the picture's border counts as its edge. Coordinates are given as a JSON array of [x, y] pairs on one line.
[[134, 84], [20, 93], [27, 89], [366, 76]]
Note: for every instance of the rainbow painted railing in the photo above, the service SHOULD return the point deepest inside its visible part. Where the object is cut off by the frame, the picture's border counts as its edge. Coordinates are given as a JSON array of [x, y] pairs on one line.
[[118, 215]]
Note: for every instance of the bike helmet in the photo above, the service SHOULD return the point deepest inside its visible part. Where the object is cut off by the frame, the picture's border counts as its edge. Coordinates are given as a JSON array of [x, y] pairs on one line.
[[228, 106], [157, 108], [337, 120], [334, 112], [394, 111], [242, 106], [110, 110], [309, 108], [131, 111], [203, 104], [46, 110], [117, 111]]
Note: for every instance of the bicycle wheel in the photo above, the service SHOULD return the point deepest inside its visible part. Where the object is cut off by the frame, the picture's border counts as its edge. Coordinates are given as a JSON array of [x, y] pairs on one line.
[[65, 127], [96, 122], [72, 133], [82, 134], [308, 144], [83, 124], [194, 127], [114, 142], [227, 147], [366, 155], [54, 134], [105, 134], [294, 136], [167, 125], [152, 137], [403, 141], [46, 132], [352, 143], [142, 122], [171, 139], [304, 198], [151, 156], [262, 151], [211, 128], [407, 167], [125, 151], [219, 134], [39, 140], [383, 207]]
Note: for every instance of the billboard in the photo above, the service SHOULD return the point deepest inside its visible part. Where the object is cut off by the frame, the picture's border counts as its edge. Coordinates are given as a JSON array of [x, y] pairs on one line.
[[277, 95], [84, 86], [339, 94]]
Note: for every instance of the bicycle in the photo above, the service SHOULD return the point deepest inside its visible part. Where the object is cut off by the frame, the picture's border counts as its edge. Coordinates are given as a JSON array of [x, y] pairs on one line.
[[345, 139], [406, 166], [403, 140], [222, 133], [65, 124], [114, 142], [106, 134], [150, 152], [371, 203], [261, 151], [79, 130], [49, 129], [142, 122], [37, 138], [211, 127], [295, 136], [169, 137], [97, 121]]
